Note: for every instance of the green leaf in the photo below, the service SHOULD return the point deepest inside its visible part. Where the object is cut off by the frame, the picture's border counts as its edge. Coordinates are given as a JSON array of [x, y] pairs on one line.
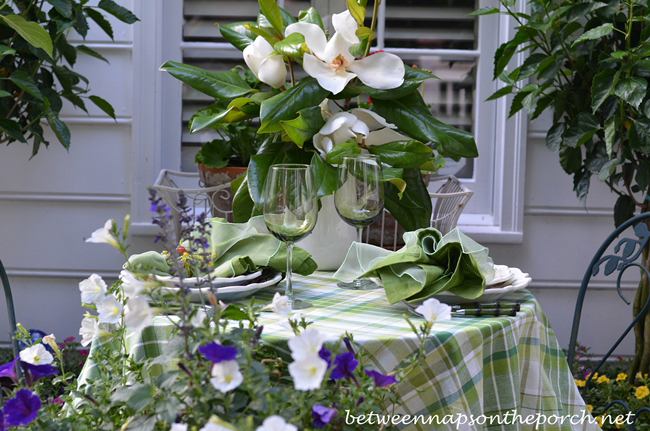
[[357, 11], [602, 87], [220, 85], [413, 210], [271, 11], [643, 175], [25, 82], [344, 149], [238, 34], [242, 204], [33, 33], [68, 51], [531, 65], [291, 45], [103, 105], [100, 20], [5, 51], [623, 210], [570, 159], [12, 129], [632, 90], [554, 137], [504, 91], [119, 12], [285, 105], [311, 16], [59, 128], [305, 126], [581, 180], [200, 122], [137, 396], [325, 176], [413, 78], [214, 154], [582, 128], [608, 169], [64, 7], [484, 11], [639, 135], [595, 33], [610, 135], [4, 94], [402, 154], [411, 115], [91, 52]]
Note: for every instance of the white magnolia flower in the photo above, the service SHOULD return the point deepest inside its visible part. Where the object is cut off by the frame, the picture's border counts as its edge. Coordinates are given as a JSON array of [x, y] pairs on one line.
[[361, 125], [93, 289], [266, 65], [109, 309], [276, 423], [104, 235], [89, 330], [132, 286], [226, 376], [178, 427], [308, 372], [137, 313], [331, 63], [280, 304], [434, 311], [36, 355], [199, 317], [306, 344]]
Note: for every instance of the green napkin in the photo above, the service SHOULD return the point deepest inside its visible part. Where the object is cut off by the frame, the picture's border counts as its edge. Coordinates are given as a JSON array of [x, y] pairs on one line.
[[427, 264], [150, 262]]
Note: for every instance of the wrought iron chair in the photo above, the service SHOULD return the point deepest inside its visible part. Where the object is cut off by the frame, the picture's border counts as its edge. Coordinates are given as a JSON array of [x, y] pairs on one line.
[[10, 306], [628, 252]]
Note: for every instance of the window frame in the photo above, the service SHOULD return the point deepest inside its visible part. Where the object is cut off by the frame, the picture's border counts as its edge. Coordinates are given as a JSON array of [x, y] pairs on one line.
[[156, 134]]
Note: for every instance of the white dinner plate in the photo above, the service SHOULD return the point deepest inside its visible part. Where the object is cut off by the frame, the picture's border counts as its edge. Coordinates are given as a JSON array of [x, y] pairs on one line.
[[501, 274], [240, 280], [229, 293]]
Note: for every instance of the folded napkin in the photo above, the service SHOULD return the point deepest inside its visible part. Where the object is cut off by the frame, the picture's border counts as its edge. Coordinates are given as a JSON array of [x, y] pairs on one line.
[[427, 264], [237, 248]]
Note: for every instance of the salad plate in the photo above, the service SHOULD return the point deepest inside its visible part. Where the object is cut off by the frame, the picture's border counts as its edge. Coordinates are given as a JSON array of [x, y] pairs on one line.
[[193, 282]]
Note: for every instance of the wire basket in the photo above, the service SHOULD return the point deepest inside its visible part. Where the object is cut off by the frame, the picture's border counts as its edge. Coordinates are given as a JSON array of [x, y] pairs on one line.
[[448, 203]]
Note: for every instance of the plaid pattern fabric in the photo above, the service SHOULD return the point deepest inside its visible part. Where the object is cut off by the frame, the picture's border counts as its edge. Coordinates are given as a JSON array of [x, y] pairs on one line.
[[489, 367]]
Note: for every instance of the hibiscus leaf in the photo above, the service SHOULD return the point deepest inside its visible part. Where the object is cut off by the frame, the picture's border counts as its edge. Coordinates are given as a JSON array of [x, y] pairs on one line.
[[402, 154], [220, 85], [305, 126]]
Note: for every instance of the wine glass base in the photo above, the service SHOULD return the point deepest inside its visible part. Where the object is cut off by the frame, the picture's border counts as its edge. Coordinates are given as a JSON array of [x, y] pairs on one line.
[[299, 304], [360, 284]]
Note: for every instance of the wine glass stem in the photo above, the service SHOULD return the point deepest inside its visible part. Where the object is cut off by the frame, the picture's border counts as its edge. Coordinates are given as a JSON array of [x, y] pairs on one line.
[[289, 288], [357, 281]]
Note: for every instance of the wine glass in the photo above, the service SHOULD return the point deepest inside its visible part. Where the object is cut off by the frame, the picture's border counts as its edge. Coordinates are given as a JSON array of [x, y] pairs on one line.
[[359, 200], [290, 211]]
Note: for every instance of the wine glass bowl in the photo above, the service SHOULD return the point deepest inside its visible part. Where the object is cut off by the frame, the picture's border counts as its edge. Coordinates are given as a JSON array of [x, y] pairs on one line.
[[290, 211]]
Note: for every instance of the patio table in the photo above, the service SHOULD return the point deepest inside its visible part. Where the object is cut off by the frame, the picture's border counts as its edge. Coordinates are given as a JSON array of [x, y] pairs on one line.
[[486, 369]]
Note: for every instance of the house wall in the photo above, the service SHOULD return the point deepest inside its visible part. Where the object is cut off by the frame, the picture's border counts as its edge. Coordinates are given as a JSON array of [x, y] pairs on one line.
[[50, 204]]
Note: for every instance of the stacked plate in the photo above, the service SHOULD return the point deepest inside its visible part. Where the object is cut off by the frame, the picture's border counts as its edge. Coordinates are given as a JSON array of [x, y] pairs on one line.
[[226, 289]]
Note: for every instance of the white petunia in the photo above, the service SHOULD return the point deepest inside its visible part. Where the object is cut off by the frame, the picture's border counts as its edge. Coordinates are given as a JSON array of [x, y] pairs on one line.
[[434, 311], [306, 344], [216, 424], [50, 340], [132, 286], [93, 289], [178, 427], [267, 65], [89, 330], [104, 235], [280, 304], [199, 318], [286, 323], [137, 313], [226, 376], [276, 423], [109, 309], [360, 125], [308, 372], [36, 355]]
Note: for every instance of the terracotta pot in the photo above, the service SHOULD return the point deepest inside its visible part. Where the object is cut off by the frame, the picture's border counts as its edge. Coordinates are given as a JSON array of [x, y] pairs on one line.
[[221, 203]]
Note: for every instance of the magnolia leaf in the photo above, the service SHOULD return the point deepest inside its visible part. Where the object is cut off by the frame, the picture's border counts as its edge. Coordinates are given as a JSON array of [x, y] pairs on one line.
[[220, 85], [311, 16], [400, 184], [238, 34], [200, 122], [413, 210], [285, 105], [413, 78], [242, 204], [344, 149], [33, 33], [357, 11], [271, 11], [291, 45], [325, 176], [302, 128], [402, 154], [595, 33]]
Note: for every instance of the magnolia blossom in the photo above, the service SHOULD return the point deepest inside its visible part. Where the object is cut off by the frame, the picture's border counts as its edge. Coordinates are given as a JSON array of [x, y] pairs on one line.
[[331, 63], [267, 65], [280, 304], [36, 355], [93, 289], [226, 376], [434, 311], [308, 343], [89, 330], [276, 423], [308, 372], [104, 235], [109, 309], [360, 125], [137, 313]]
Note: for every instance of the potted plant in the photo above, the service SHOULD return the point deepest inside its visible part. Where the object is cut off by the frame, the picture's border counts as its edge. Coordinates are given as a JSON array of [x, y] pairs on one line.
[[590, 64], [36, 64]]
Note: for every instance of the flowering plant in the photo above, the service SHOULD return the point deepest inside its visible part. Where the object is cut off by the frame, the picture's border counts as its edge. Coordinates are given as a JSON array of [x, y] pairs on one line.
[[296, 116], [216, 373]]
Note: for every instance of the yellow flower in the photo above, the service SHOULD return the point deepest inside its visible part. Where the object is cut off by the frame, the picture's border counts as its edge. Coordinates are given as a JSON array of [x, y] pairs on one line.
[[592, 376], [642, 392], [619, 422], [599, 421], [580, 383], [603, 379], [185, 257], [621, 377], [638, 376], [590, 408]]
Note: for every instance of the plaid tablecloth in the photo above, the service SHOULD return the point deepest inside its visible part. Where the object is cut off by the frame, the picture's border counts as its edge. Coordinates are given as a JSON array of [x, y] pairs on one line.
[[485, 369]]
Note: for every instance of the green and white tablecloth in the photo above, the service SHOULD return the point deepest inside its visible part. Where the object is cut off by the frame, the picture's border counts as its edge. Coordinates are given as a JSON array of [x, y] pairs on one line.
[[490, 366]]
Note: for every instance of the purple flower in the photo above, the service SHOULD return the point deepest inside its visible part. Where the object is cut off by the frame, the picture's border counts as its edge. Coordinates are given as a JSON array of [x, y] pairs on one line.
[[348, 344], [9, 370], [217, 353], [344, 365], [35, 372], [3, 424], [322, 415], [325, 355], [381, 380], [23, 408]]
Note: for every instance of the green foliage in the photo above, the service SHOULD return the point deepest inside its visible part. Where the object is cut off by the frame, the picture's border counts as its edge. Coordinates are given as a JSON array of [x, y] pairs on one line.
[[36, 66], [589, 63]]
